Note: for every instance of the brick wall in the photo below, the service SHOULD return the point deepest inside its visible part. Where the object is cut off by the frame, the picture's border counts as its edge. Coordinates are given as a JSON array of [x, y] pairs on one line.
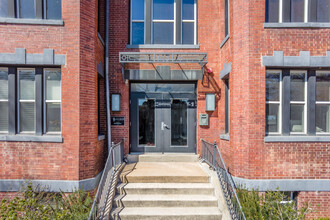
[[80, 155]]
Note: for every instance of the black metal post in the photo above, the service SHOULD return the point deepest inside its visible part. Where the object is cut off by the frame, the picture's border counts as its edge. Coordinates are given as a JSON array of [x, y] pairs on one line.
[[214, 153]]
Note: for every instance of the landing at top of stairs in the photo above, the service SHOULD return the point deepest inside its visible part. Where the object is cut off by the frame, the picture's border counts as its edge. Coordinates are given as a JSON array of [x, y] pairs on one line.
[[164, 172], [156, 157]]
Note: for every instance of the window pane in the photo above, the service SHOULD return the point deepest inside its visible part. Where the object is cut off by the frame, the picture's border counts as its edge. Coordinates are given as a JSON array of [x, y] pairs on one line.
[[323, 10], [163, 9], [297, 10], [3, 116], [272, 86], [27, 117], [297, 118], [163, 33], [54, 9], [137, 9], [187, 33], [179, 122], [272, 10], [27, 9], [53, 113], [27, 87], [53, 84], [226, 19], [297, 87], [3, 84], [272, 117], [3, 8], [138, 33], [322, 117], [146, 122], [323, 86], [188, 9]]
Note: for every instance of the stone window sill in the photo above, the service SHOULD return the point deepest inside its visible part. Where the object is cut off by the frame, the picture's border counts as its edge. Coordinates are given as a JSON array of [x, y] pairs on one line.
[[224, 137], [297, 138], [32, 138], [224, 41], [297, 25], [31, 21], [161, 46]]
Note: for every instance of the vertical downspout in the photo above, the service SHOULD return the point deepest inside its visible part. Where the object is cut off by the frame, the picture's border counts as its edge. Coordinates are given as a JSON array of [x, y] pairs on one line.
[[107, 73]]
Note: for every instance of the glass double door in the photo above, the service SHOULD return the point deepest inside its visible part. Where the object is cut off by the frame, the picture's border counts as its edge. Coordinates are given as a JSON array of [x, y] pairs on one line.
[[163, 118]]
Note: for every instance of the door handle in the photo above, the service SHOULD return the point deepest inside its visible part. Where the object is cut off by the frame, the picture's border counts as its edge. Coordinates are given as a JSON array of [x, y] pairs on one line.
[[163, 126]]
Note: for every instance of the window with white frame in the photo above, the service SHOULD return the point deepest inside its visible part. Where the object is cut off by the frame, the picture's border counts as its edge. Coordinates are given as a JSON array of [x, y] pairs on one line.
[[163, 22], [30, 100], [3, 100], [273, 101], [26, 101], [298, 90], [280, 11], [31, 9], [322, 110], [298, 102], [52, 104]]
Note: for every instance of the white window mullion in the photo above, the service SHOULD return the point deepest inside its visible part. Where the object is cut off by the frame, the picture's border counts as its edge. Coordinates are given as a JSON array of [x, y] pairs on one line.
[[195, 21], [306, 11], [280, 11], [174, 25]]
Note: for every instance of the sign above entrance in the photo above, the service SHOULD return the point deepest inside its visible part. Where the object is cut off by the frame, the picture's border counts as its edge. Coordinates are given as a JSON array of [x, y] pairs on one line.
[[118, 120], [144, 57]]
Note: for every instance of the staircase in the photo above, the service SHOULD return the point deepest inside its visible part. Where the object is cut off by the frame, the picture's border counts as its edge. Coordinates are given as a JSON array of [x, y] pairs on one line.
[[165, 187]]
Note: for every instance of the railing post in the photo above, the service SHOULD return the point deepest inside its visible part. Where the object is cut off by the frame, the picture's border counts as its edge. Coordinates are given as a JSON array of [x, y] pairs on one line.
[[214, 153]]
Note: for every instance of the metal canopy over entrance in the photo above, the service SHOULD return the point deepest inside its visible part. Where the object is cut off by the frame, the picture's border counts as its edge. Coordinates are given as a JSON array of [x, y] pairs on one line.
[[144, 57], [163, 72]]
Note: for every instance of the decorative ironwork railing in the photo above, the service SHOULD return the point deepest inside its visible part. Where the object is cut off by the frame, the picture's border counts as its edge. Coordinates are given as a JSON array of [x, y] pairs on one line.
[[212, 156], [115, 159]]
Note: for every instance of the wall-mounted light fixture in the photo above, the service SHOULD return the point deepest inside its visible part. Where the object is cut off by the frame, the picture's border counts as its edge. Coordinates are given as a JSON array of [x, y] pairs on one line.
[[115, 102], [210, 102]]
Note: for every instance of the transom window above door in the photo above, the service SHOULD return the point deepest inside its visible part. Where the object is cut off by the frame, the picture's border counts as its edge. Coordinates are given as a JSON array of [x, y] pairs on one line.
[[163, 22]]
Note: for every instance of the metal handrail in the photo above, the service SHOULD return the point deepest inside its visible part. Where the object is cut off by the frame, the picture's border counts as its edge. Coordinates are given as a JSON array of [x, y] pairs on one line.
[[114, 160], [211, 155]]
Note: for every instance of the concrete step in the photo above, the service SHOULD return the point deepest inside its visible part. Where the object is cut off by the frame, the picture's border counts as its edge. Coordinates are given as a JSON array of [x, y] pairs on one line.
[[156, 157], [159, 200], [168, 213], [164, 172], [166, 188]]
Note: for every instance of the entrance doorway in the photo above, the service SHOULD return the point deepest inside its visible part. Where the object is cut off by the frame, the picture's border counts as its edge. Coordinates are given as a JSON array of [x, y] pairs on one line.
[[163, 117]]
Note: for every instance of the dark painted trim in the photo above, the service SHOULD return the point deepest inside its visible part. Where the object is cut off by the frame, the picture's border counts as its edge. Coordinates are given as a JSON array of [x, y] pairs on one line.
[[15, 185], [286, 102], [39, 101], [162, 46], [100, 38], [100, 69], [31, 21], [12, 100], [297, 25], [162, 74], [224, 41], [297, 139], [284, 184], [311, 88], [32, 138]]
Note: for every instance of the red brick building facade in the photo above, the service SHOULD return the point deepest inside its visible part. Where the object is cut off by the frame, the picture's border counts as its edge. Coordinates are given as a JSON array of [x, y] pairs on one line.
[[254, 49]]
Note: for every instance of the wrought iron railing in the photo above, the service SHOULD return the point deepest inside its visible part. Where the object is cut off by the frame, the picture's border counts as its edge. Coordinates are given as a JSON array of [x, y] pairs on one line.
[[211, 155], [115, 159]]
